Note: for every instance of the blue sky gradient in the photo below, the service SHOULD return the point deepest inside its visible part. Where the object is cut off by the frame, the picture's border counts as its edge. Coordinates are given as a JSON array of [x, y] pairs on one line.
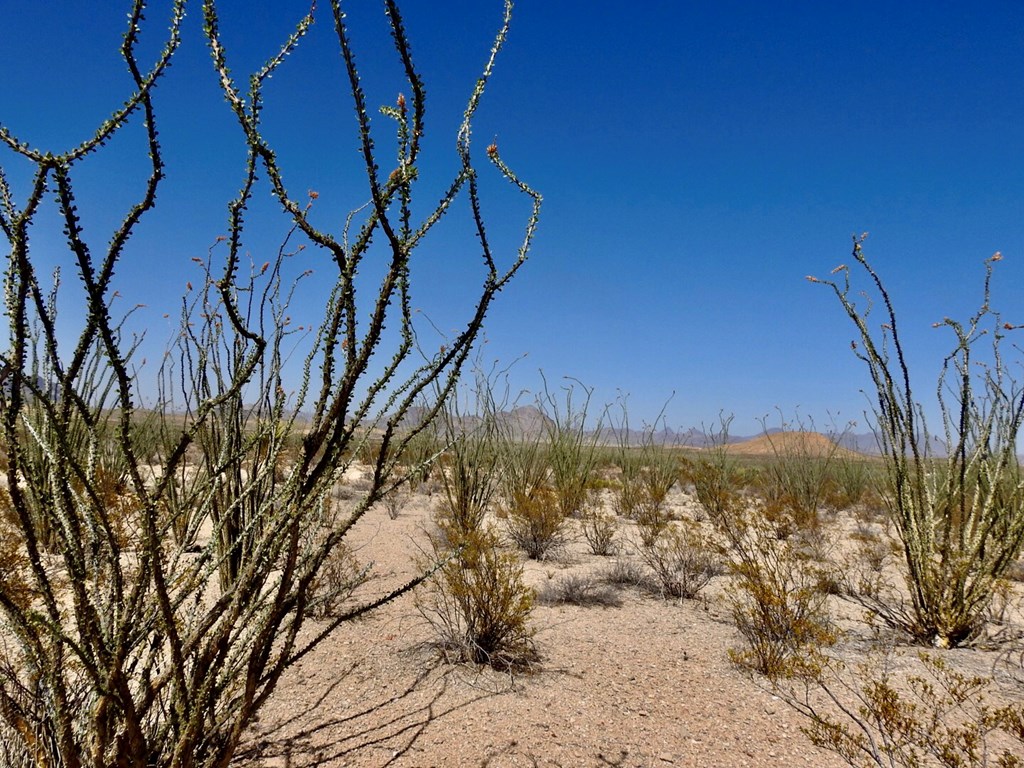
[[696, 160]]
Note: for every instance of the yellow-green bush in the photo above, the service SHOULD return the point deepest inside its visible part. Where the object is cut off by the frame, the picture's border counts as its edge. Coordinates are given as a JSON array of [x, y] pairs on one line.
[[478, 603]]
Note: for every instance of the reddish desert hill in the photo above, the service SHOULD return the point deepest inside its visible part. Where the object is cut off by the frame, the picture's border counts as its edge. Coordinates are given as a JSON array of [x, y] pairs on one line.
[[790, 444]]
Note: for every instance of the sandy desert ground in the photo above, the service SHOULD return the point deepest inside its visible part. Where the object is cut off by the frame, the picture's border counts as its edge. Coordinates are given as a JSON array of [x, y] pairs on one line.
[[645, 683]]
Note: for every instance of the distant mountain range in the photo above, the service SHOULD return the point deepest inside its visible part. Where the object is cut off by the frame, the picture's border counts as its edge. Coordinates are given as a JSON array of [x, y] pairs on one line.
[[529, 420], [697, 438]]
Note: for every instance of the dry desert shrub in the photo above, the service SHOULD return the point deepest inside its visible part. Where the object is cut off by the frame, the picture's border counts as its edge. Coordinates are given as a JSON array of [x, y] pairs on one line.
[[777, 598], [625, 572], [862, 572], [651, 522], [578, 589], [599, 529], [682, 559], [394, 501], [478, 603], [536, 523], [873, 717], [818, 544]]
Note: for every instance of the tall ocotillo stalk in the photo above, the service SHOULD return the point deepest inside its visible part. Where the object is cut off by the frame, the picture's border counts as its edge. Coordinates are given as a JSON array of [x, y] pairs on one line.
[[959, 516], [129, 633]]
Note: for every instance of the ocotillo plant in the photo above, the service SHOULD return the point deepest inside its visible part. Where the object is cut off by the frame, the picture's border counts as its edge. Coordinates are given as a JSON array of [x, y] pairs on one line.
[[151, 598], [959, 517]]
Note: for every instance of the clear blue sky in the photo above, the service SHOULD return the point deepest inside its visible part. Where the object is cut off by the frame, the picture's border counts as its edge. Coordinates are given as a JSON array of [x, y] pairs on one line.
[[696, 160]]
